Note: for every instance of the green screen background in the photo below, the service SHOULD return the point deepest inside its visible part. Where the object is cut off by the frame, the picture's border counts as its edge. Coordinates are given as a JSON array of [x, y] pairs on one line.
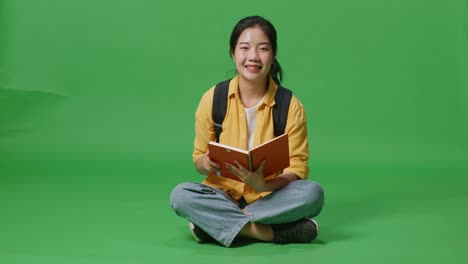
[[97, 100]]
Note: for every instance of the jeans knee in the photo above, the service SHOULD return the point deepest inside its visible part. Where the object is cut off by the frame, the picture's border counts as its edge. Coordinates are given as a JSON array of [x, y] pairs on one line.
[[313, 196], [176, 198], [315, 190]]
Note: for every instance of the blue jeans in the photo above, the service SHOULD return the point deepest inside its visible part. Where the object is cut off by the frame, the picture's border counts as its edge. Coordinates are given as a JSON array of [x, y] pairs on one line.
[[215, 212]]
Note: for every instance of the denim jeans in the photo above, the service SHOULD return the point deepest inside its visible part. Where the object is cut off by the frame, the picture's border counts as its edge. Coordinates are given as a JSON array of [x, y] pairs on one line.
[[215, 212]]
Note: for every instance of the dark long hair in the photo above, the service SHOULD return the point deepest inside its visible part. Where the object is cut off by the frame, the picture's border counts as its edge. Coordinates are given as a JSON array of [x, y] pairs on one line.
[[276, 71]]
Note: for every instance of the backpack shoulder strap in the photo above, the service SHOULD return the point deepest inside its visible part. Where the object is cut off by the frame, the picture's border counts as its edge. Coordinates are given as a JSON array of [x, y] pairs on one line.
[[218, 111], [280, 110]]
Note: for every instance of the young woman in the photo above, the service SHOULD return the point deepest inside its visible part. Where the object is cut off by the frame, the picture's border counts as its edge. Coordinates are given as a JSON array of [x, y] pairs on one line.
[[278, 208]]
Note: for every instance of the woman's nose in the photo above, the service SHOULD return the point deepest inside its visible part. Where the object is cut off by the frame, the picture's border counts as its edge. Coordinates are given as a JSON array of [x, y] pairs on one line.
[[253, 55]]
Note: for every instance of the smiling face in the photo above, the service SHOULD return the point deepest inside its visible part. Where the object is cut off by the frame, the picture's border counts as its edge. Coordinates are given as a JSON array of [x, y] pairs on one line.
[[253, 55]]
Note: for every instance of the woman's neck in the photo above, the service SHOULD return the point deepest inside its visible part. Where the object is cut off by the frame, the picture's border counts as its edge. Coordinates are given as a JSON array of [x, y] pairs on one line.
[[251, 92]]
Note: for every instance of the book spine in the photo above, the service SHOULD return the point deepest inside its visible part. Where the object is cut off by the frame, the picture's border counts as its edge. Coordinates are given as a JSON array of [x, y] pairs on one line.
[[250, 163]]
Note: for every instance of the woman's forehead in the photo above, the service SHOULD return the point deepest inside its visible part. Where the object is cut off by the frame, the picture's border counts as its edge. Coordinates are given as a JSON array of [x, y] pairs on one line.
[[253, 34]]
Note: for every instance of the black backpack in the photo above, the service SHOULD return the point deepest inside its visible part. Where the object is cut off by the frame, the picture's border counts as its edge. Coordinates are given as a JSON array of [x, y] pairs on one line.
[[280, 109]]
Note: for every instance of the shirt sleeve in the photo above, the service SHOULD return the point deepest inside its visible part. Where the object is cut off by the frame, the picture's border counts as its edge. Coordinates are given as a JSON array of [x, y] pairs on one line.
[[204, 131], [296, 128]]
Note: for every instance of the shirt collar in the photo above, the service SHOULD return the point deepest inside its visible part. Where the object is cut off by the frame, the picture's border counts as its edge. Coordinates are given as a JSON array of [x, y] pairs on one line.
[[269, 97]]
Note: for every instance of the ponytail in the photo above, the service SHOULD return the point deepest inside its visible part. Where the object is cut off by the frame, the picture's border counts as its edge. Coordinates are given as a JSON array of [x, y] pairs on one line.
[[276, 72]]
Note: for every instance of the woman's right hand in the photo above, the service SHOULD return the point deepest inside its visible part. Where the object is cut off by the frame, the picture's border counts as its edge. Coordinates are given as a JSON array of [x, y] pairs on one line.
[[206, 166]]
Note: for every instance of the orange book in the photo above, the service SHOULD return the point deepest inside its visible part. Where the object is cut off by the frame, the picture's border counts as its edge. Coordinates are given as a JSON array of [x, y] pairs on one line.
[[274, 151]]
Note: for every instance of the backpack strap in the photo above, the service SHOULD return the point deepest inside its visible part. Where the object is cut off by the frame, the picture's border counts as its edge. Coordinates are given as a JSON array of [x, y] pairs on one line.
[[218, 111], [280, 110]]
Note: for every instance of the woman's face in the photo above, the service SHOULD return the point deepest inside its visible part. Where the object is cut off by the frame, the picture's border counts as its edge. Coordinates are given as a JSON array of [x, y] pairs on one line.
[[253, 54]]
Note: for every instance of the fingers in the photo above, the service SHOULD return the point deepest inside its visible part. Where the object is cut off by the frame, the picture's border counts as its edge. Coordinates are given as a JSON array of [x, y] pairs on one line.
[[253, 179], [214, 167], [209, 161], [210, 165], [262, 165], [236, 170], [239, 165]]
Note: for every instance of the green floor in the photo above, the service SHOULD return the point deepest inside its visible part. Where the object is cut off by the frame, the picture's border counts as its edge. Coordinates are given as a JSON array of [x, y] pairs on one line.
[[118, 212]]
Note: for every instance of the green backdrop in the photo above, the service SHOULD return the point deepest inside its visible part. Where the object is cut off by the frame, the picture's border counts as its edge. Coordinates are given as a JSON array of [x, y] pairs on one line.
[[97, 100]]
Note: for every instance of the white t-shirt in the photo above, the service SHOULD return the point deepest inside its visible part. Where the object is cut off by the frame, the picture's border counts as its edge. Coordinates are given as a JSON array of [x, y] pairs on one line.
[[251, 116]]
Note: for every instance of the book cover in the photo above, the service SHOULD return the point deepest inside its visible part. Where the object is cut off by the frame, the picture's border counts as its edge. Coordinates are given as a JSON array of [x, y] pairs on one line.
[[274, 151]]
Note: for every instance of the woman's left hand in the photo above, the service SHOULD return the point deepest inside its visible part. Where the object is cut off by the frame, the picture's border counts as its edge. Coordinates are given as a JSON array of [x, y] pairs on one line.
[[254, 179]]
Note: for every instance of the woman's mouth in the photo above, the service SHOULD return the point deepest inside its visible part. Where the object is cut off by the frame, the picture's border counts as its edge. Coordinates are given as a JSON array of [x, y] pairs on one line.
[[253, 68]]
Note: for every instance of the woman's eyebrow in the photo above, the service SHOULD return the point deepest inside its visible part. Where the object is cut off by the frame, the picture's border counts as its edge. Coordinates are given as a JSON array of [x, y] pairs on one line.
[[261, 43]]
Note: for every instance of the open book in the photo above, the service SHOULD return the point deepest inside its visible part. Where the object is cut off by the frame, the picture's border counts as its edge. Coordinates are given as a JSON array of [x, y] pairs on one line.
[[274, 151]]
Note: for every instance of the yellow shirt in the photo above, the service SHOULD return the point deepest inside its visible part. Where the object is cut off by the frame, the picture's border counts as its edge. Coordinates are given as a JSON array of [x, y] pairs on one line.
[[235, 134]]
